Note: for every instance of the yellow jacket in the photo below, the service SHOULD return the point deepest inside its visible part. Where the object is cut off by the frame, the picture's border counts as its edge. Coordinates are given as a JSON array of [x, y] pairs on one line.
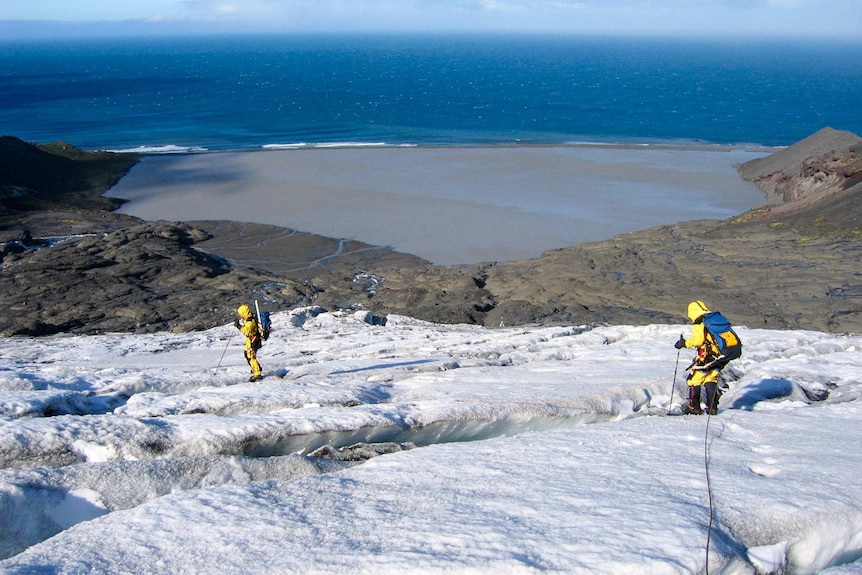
[[249, 328], [698, 339], [251, 333]]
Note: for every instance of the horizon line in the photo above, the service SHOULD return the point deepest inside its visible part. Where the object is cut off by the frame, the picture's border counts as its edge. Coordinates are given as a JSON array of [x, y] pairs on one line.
[[142, 28]]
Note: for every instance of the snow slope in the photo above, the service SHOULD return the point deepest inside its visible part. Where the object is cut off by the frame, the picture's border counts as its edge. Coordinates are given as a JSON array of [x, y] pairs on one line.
[[510, 450]]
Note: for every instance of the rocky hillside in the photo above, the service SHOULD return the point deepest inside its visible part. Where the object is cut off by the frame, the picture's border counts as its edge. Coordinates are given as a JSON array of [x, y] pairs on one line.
[[811, 171], [70, 267]]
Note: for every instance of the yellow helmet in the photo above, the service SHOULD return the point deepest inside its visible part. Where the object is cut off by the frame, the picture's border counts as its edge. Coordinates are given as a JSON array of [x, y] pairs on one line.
[[696, 309], [244, 311]]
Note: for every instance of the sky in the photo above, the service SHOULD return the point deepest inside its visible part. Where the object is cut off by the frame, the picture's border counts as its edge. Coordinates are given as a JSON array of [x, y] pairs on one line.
[[508, 451], [808, 18]]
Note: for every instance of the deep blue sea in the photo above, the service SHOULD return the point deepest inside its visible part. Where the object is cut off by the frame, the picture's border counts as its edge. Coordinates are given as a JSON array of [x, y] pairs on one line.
[[248, 92]]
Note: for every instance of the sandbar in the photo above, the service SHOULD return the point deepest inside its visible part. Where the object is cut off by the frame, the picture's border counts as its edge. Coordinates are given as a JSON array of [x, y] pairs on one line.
[[449, 205]]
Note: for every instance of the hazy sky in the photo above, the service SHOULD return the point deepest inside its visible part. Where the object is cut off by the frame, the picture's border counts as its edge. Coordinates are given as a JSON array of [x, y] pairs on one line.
[[813, 18]]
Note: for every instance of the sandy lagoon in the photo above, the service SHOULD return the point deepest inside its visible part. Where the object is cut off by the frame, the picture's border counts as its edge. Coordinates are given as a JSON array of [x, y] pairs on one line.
[[449, 205]]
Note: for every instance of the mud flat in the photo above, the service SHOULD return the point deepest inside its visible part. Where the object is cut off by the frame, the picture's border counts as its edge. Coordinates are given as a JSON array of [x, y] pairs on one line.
[[450, 206]]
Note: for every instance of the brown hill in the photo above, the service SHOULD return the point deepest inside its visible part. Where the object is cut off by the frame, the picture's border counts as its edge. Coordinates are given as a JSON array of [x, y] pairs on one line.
[[823, 167]]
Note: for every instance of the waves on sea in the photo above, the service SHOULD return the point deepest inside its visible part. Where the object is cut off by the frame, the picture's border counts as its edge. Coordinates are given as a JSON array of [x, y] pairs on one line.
[[181, 95]]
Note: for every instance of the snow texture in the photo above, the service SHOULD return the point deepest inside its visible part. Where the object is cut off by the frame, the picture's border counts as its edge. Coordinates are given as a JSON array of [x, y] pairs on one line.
[[415, 447]]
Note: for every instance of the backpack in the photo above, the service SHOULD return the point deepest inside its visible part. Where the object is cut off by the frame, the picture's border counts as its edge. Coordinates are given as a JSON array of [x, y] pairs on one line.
[[719, 329], [264, 325]]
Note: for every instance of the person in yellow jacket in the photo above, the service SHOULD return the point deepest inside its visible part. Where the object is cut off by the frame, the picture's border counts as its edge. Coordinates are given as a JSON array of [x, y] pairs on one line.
[[706, 368], [247, 324]]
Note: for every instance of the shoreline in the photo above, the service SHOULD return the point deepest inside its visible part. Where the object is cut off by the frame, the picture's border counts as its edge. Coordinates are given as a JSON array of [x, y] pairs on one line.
[[451, 205], [695, 145]]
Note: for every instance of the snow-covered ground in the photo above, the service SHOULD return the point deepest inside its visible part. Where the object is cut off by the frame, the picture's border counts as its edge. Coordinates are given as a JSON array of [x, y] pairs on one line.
[[509, 450]]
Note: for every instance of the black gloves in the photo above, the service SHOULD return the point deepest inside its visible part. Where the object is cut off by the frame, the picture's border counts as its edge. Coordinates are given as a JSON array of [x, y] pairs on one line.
[[680, 343], [236, 324]]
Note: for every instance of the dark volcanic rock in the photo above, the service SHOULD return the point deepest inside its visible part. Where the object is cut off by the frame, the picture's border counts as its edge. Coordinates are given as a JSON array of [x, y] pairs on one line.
[[143, 278]]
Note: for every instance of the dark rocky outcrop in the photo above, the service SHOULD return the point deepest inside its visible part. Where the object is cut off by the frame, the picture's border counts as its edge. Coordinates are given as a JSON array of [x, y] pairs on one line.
[[140, 278], [70, 265]]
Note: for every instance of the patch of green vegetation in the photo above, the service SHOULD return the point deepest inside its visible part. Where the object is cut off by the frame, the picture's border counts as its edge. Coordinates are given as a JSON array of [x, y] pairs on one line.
[[749, 216]]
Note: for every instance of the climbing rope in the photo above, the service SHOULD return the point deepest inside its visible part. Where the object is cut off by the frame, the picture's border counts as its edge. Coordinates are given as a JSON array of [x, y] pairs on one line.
[[708, 487]]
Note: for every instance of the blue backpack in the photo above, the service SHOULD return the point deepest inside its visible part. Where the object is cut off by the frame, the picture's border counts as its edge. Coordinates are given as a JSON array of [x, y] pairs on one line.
[[719, 329], [265, 325]]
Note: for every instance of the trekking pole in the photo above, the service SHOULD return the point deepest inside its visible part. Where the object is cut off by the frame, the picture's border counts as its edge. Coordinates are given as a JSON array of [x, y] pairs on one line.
[[230, 337], [673, 383]]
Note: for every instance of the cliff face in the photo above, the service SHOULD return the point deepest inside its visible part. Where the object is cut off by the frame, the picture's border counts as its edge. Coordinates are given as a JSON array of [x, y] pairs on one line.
[[810, 171]]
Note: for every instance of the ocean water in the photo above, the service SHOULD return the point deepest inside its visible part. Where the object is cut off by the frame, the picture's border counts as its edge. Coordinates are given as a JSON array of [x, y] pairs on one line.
[[246, 93]]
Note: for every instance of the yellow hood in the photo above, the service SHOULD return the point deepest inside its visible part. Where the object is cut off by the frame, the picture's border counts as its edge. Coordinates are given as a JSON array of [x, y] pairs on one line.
[[696, 309]]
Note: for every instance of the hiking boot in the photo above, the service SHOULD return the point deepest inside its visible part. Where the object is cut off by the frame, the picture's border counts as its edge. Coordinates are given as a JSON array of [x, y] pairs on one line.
[[255, 378], [713, 411], [694, 410]]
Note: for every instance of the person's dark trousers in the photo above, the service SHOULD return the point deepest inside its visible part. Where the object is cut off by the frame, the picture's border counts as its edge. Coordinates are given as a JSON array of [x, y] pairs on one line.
[[694, 400], [713, 394]]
